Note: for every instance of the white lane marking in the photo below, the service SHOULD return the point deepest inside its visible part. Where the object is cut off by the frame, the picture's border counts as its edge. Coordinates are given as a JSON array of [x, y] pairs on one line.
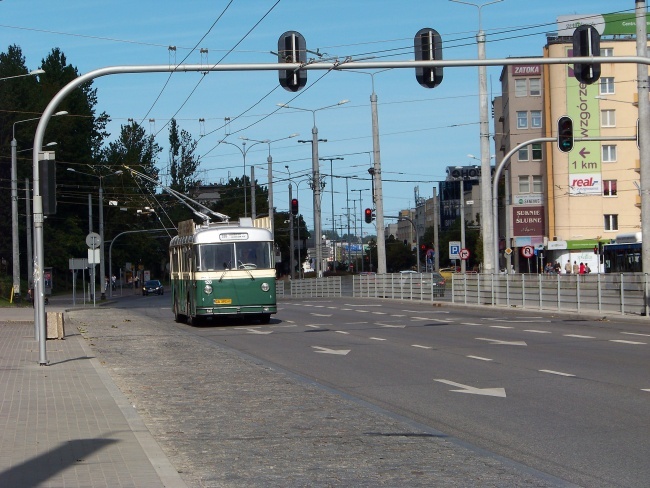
[[321, 314], [620, 341], [379, 313], [362, 311], [319, 306], [355, 323], [578, 336], [317, 326], [334, 308], [635, 334], [255, 330], [347, 309], [503, 343], [520, 319], [356, 305], [500, 327], [284, 326], [341, 332], [325, 350], [377, 339], [498, 392], [469, 323], [397, 315], [535, 331], [392, 326], [422, 318], [479, 358], [645, 389], [559, 373], [421, 347]]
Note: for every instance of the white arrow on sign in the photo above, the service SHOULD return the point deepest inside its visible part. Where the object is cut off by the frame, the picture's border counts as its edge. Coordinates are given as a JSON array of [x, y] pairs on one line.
[[497, 392], [503, 343], [324, 350]]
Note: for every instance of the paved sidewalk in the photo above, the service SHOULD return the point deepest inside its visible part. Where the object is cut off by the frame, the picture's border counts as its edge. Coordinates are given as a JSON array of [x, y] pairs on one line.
[[66, 424]]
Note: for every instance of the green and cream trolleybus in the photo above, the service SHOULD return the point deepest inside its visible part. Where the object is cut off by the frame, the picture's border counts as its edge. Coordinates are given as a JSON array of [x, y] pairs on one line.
[[221, 270]]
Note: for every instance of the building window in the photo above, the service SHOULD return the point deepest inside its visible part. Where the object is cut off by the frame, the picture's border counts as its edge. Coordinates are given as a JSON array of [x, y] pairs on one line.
[[522, 120], [607, 51], [537, 183], [524, 184], [608, 118], [609, 188], [523, 154], [609, 154], [536, 119], [611, 222], [521, 89], [537, 151], [535, 87], [607, 86]]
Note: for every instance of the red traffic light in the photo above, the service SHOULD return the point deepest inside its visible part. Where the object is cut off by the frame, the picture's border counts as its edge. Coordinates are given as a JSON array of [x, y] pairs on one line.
[[294, 206], [368, 215]]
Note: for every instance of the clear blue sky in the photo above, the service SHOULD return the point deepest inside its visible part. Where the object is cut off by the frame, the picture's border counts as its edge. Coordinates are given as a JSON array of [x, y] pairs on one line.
[[422, 131]]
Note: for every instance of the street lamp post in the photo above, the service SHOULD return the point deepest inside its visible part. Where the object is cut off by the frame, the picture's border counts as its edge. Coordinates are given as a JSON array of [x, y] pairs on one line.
[[31, 73], [14, 203], [269, 160], [361, 224], [102, 264], [316, 182], [332, 186], [243, 152], [486, 179]]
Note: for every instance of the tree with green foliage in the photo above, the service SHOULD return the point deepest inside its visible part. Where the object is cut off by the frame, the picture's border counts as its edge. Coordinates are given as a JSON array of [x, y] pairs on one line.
[[183, 161]]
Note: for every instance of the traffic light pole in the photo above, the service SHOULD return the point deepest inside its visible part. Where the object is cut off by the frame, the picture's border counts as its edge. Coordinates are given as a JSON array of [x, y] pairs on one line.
[[39, 261], [506, 160]]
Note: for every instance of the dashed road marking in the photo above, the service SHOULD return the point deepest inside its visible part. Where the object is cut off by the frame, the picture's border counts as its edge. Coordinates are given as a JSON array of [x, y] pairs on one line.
[[578, 336], [479, 358], [620, 341], [635, 334], [559, 373], [421, 347], [341, 332], [500, 327], [535, 331], [377, 339]]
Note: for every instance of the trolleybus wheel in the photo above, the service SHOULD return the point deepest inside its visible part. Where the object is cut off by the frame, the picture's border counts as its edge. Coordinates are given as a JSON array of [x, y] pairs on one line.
[[178, 317], [265, 318]]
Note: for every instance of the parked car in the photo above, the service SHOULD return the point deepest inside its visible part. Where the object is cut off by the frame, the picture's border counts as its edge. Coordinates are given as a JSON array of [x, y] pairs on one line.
[[436, 281], [153, 286]]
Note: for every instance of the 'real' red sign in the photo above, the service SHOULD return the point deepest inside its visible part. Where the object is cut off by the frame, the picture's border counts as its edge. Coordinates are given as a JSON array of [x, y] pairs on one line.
[[528, 221]]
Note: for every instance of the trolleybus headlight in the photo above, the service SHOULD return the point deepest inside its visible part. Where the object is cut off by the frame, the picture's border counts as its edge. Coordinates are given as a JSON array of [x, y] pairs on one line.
[[265, 287], [208, 289]]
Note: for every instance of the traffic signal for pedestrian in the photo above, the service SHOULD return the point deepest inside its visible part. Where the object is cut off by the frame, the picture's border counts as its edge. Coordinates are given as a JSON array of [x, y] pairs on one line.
[[294, 206], [428, 47], [565, 134], [292, 49], [368, 215], [586, 42]]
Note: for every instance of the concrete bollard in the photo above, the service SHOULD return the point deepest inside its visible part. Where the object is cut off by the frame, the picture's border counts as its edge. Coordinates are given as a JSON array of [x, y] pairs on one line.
[[55, 325]]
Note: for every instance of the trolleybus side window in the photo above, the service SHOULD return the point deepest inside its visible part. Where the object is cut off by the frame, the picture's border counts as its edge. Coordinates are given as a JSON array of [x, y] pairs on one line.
[[211, 257]]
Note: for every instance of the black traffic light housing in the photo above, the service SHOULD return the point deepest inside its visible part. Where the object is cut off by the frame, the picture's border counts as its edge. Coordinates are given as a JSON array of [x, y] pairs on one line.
[[294, 206], [565, 133], [368, 215], [428, 47], [292, 48], [47, 185], [586, 42]]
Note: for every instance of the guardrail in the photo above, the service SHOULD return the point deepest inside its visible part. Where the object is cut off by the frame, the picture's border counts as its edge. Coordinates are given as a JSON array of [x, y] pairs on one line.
[[602, 293], [316, 287], [411, 286]]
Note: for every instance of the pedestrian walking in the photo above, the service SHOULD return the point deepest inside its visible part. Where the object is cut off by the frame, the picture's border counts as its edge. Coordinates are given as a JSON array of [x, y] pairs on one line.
[[567, 267]]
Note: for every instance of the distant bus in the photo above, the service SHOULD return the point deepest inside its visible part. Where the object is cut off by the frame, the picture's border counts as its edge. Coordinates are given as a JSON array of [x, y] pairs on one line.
[[221, 270], [624, 254]]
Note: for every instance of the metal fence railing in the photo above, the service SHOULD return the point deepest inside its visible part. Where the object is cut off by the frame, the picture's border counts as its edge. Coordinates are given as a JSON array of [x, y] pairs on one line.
[[601, 293], [409, 286], [316, 287], [591, 293]]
